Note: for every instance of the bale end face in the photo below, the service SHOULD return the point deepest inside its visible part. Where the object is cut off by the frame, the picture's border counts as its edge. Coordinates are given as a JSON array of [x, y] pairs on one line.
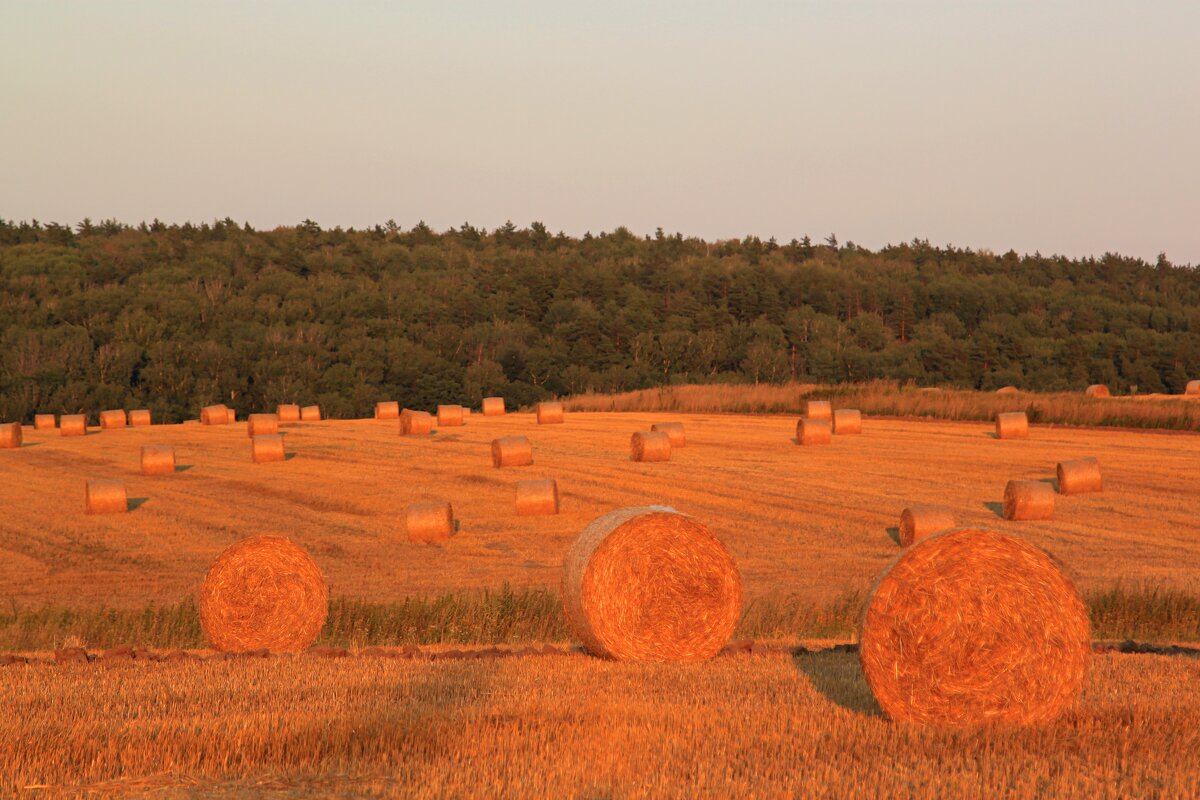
[[158, 459], [847, 420], [674, 432], [262, 425], [288, 412], [650, 446], [1012, 425], [813, 431], [106, 497], [1192, 389], [1097, 390], [113, 419], [493, 406], [429, 522], [537, 498], [44, 422], [10, 435], [819, 409], [512, 451], [73, 425], [265, 449], [1028, 500], [920, 522], [310, 414], [450, 416], [214, 415], [415, 423], [139, 418], [1079, 477], [549, 413], [387, 409]]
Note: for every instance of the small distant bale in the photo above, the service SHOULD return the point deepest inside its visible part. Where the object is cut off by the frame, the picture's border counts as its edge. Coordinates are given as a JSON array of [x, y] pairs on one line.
[[139, 418], [1097, 390], [262, 425], [288, 412], [650, 584], [10, 434], [230, 416], [158, 459], [922, 521], [113, 419], [819, 409], [263, 593], [512, 451], [310, 414], [72, 425], [1012, 425], [493, 406], [429, 522], [847, 420], [44, 422], [813, 431], [1080, 476], [973, 627], [537, 498], [674, 432], [267, 448], [106, 497], [449, 416], [549, 413], [415, 423], [1192, 388], [387, 409], [1028, 500], [214, 415], [1007, 390], [650, 446]]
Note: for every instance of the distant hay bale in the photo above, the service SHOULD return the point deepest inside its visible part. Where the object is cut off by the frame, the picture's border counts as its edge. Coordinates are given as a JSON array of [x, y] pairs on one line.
[[288, 412], [1012, 425], [1079, 477], [819, 409], [674, 432], [263, 593], [973, 627], [10, 434], [113, 419], [1193, 388], [922, 521], [813, 431], [1007, 390], [449, 416], [847, 420], [230, 416], [536, 498], [267, 448], [429, 522], [158, 459], [262, 425], [1097, 390], [387, 409], [214, 415], [72, 425], [106, 497], [415, 423], [650, 584], [44, 422], [549, 413], [650, 446], [139, 418], [1028, 500], [493, 406], [512, 451], [310, 414]]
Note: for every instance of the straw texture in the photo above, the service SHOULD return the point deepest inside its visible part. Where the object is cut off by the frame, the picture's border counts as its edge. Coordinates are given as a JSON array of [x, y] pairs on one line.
[[674, 432], [512, 451], [1193, 388], [262, 425], [1097, 390], [922, 521], [1012, 425], [449, 416], [387, 409], [267, 448], [415, 423], [650, 446], [847, 420], [493, 406], [10, 434], [537, 498], [819, 409], [310, 414], [263, 593], [429, 522], [973, 627], [1079, 477], [813, 431], [106, 497], [43, 422], [72, 425], [288, 412], [113, 419], [1028, 500], [549, 413], [214, 415], [650, 584], [139, 418], [158, 459]]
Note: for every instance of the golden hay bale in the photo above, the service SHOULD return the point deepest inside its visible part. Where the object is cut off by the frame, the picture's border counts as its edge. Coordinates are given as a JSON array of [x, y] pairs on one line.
[[512, 451], [288, 412], [1097, 390], [819, 409], [1012, 425], [415, 423], [650, 584], [72, 425], [674, 432], [920, 522], [449, 416], [113, 419], [262, 425], [536, 498], [1026, 500], [847, 420], [429, 522], [813, 431], [650, 446], [387, 409], [10, 434], [1079, 477], [972, 627], [139, 418], [263, 593], [43, 422], [310, 414], [1007, 390], [549, 413], [158, 459], [230, 416], [106, 497], [1192, 388], [214, 415], [267, 448], [493, 406]]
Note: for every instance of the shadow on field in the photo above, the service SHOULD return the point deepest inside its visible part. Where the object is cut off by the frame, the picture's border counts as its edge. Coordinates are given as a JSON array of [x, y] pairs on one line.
[[839, 677], [30, 444], [996, 508], [288, 456], [1052, 481], [183, 467], [134, 503], [894, 534]]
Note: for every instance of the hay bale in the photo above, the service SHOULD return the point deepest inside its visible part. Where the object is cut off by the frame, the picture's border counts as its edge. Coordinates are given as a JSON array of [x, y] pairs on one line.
[[1097, 390], [113, 419], [387, 409], [537, 498], [450, 416], [493, 406], [1012, 425], [973, 627], [512, 451], [72, 425], [415, 423], [10, 434], [1007, 390], [920, 522], [288, 412], [674, 432], [1192, 388], [549, 413], [214, 415], [819, 409], [1079, 477], [650, 446], [267, 448], [262, 425], [847, 420], [263, 593], [429, 522], [310, 414], [1027, 500], [650, 584], [106, 497], [813, 431], [158, 459], [140, 418], [44, 422], [230, 416]]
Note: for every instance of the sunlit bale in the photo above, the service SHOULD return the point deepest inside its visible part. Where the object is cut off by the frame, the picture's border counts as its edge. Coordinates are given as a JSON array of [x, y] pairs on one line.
[[72, 425], [106, 497], [288, 412], [387, 409], [1028, 500], [1012, 425], [674, 432], [972, 627], [819, 409], [10, 434], [139, 418], [1007, 390], [264, 449], [813, 431], [1079, 477], [44, 422], [310, 414], [650, 446], [230, 415], [847, 420], [650, 584], [919, 522], [549, 413], [113, 419], [512, 451], [415, 423], [1097, 390], [1192, 388], [493, 406], [429, 522], [214, 415], [450, 416], [537, 498], [262, 425], [158, 459], [263, 593]]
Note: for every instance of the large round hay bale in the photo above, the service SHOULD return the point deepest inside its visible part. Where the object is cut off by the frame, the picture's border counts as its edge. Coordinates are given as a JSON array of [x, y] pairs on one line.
[[536, 498], [72, 425], [139, 418], [214, 415], [262, 425], [263, 593], [429, 522], [1012, 425], [1079, 476], [549, 413], [813, 431], [106, 497], [43, 422], [674, 432], [449, 416], [512, 451], [493, 406], [650, 446], [387, 409], [158, 459], [1028, 500], [264, 449], [651, 584], [1007, 390], [919, 522], [973, 627], [415, 423], [1192, 388], [288, 412], [1097, 390], [10, 434], [819, 409], [847, 420], [310, 414], [114, 418]]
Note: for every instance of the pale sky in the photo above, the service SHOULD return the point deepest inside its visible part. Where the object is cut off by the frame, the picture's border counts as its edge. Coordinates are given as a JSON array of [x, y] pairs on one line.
[[1060, 127]]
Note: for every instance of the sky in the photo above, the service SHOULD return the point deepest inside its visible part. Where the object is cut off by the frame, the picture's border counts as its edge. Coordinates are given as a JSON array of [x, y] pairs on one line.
[[1067, 128]]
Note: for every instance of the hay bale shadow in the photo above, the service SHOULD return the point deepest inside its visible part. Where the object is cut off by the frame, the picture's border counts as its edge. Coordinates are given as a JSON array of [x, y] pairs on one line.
[[894, 534], [288, 456], [183, 467], [30, 444], [996, 508], [134, 503], [840, 678], [992, 435], [1052, 481]]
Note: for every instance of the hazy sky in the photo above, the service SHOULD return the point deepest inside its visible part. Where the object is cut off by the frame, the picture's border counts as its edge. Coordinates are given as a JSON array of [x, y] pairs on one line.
[[1064, 127]]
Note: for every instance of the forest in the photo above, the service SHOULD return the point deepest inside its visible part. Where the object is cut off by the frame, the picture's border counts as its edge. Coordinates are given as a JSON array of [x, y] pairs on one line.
[[172, 317]]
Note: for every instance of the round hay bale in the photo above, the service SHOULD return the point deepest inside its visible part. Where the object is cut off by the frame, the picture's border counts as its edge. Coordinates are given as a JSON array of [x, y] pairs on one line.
[[429, 522], [139, 418], [449, 416], [310, 414], [537, 498], [1193, 388], [158, 459], [214, 415], [267, 448], [1079, 477], [512, 451], [387, 409], [1012, 425], [288, 412], [549, 413], [262, 425], [674, 432], [921, 522], [72, 425], [819, 409], [10, 434], [973, 627], [1097, 390], [43, 422], [106, 497], [847, 420], [650, 446], [813, 431], [263, 593], [651, 584], [1027, 500], [493, 406], [1007, 390], [113, 419], [415, 423]]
